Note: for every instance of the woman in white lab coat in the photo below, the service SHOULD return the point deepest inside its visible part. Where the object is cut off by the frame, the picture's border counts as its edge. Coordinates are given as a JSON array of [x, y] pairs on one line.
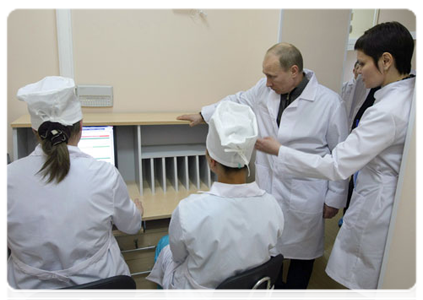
[[62, 202], [374, 149], [229, 229]]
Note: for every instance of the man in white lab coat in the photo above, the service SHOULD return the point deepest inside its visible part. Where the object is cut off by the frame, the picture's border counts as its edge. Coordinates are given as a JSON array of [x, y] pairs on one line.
[[348, 86], [231, 228], [295, 109], [61, 202]]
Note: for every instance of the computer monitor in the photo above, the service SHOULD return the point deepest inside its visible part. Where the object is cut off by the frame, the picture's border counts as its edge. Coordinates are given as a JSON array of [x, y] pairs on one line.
[[99, 142]]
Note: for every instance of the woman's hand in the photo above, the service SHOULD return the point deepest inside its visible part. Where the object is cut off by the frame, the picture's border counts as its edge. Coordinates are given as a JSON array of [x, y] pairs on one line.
[[268, 145], [139, 206]]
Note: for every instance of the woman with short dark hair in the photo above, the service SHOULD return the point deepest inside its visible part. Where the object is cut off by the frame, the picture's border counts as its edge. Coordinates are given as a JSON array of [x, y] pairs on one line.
[[374, 148]]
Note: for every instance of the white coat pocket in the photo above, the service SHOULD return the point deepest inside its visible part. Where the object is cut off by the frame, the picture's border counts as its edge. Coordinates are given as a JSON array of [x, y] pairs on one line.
[[308, 195]]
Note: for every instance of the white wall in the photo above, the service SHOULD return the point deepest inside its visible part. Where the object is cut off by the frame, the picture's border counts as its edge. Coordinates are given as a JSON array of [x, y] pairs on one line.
[[171, 60], [321, 36], [156, 60], [31, 55]]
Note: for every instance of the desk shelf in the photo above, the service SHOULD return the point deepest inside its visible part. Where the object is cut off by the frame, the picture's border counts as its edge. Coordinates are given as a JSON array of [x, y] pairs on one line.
[[172, 150]]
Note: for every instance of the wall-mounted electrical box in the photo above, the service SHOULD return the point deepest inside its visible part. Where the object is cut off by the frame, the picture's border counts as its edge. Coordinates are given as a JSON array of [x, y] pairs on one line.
[[95, 95]]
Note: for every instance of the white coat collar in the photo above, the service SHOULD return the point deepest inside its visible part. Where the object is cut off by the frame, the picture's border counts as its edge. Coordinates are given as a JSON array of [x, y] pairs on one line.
[[310, 90], [397, 85], [73, 152], [236, 190]]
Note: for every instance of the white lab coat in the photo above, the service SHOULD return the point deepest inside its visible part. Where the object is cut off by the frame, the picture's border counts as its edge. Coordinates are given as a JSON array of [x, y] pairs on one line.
[[375, 148], [60, 234], [347, 87], [315, 122], [354, 96], [217, 234]]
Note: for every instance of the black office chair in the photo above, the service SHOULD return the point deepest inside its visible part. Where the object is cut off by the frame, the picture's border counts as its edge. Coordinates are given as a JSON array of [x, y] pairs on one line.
[[119, 287], [261, 277]]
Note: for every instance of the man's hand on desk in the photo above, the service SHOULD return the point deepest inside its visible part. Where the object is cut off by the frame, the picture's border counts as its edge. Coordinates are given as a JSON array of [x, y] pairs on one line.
[[139, 206], [193, 119]]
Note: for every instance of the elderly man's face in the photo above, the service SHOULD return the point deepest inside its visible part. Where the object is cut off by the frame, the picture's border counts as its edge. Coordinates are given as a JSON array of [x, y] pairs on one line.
[[280, 81]]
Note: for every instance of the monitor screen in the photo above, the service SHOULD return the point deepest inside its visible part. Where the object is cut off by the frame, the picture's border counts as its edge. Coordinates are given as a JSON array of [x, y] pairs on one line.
[[98, 141]]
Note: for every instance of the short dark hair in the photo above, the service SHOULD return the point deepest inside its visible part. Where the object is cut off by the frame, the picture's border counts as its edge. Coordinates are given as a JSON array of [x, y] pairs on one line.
[[227, 169], [390, 37]]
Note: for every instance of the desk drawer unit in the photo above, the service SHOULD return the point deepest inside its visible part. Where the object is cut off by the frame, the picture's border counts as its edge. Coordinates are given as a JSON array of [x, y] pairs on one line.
[[139, 250]]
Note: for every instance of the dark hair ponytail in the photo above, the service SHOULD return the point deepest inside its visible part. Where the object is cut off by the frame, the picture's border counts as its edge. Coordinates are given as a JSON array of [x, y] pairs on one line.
[[54, 138]]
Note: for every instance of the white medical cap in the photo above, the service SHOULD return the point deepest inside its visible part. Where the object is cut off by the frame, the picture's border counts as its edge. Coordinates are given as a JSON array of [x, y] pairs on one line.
[[51, 99], [232, 134]]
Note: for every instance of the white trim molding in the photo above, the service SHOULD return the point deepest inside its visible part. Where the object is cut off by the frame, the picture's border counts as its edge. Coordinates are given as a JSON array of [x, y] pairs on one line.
[[351, 43], [414, 35], [65, 42], [376, 17], [280, 26]]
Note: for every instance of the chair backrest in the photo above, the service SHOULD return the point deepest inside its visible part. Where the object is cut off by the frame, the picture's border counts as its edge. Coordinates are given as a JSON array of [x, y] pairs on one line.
[[261, 277], [118, 287]]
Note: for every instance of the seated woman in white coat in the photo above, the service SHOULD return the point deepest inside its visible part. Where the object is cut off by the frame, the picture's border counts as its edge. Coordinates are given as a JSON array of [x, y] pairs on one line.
[[61, 202], [374, 148], [233, 227]]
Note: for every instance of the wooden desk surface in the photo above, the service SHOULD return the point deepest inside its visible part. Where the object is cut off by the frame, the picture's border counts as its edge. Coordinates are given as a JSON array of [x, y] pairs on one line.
[[116, 119], [160, 205]]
